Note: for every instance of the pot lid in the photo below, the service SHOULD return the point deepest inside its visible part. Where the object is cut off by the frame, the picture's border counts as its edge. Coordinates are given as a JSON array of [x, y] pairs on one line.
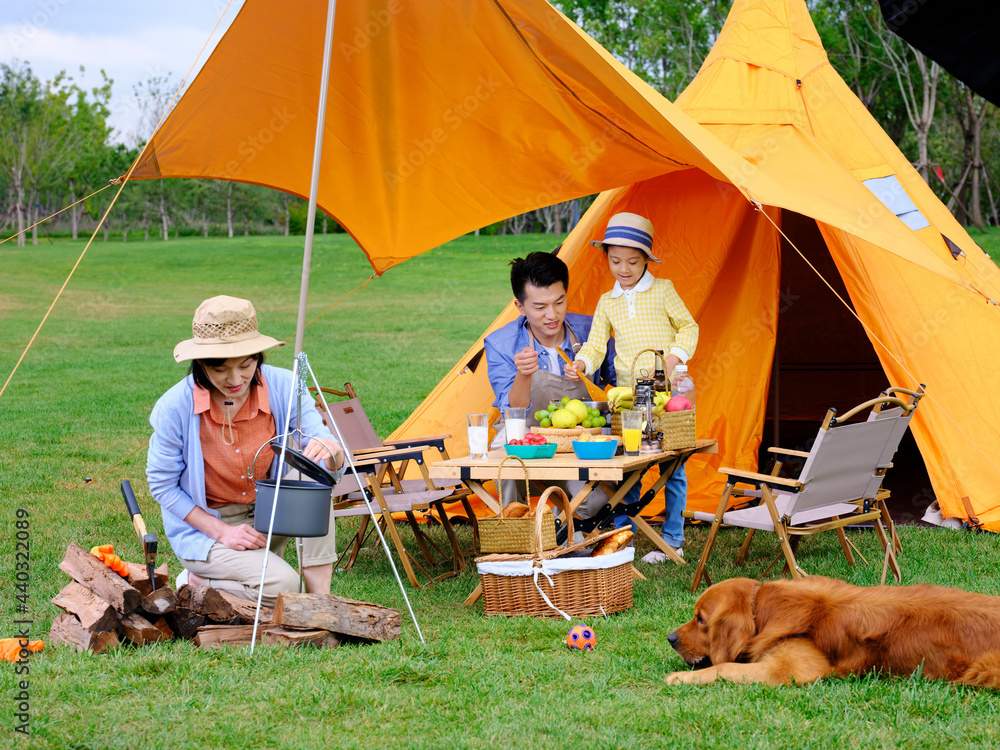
[[297, 460]]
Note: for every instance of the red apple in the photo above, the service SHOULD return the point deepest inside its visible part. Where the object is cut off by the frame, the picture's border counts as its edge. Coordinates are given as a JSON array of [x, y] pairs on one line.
[[678, 403]]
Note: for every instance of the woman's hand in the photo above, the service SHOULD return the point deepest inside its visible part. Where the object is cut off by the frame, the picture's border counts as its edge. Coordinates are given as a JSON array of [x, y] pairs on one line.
[[239, 538], [242, 537], [327, 449], [576, 371]]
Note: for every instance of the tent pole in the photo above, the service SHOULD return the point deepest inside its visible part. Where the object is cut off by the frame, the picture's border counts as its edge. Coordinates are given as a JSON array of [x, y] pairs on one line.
[[300, 325], [775, 377]]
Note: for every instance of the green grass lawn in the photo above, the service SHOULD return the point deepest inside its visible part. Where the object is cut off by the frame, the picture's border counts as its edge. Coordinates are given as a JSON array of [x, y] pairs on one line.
[[78, 407], [988, 241]]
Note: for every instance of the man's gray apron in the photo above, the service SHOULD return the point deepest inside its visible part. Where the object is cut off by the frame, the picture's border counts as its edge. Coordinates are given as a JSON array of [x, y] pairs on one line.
[[547, 387]]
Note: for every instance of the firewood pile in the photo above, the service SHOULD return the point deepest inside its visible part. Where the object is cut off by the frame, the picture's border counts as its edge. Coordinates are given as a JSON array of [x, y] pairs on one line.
[[102, 609]]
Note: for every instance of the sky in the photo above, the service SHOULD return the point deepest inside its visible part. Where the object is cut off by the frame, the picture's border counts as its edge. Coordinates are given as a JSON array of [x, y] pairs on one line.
[[131, 41]]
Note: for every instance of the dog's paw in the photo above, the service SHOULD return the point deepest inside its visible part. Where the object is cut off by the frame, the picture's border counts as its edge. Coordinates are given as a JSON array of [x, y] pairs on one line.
[[676, 678]]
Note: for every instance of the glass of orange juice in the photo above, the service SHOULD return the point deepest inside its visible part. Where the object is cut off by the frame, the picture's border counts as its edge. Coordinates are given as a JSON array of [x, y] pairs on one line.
[[632, 431]]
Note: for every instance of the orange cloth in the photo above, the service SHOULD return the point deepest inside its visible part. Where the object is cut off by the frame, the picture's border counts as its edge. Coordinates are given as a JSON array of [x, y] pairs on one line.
[[226, 478], [10, 648]]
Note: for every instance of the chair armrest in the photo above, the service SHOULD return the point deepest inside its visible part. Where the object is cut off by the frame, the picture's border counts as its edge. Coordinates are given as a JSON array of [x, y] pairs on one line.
[[788, 452], [370, 451], [436, 441], [752, 477], [415, 453], [363, 465]]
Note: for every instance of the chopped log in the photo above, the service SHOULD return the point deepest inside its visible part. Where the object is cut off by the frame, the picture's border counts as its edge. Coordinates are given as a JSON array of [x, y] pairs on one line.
[[160, 602], [205, 601], [185, 623], [213, 636], [246, 609], [164, 627], [104, 641], [67, 629], [87, 570], [139, 631], [287, 637], [338, 615], [93, 612], [139, 578]]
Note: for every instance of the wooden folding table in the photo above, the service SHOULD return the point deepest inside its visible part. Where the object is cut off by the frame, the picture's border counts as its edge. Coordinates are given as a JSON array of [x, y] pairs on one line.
[[616, 476]]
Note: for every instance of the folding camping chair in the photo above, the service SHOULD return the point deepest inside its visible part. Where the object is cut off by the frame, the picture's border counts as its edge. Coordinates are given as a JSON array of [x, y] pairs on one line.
[[839, 485], [383, 465]]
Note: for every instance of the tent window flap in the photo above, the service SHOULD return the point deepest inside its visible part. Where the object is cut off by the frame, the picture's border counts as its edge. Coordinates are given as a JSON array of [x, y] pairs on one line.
[[891, 193]]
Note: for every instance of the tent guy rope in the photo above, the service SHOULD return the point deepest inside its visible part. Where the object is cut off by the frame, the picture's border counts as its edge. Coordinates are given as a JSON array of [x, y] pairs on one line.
[[52, 216]]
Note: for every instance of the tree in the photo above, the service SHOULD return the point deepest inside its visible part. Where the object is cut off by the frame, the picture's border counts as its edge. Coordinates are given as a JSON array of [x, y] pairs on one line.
[[89, 121], [971, 113], [37, 144], [918, 85], [155, 97], [662, 41]]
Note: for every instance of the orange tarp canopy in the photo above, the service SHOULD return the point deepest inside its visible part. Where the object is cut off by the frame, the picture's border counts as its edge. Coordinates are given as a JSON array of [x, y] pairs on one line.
[[441, 118]]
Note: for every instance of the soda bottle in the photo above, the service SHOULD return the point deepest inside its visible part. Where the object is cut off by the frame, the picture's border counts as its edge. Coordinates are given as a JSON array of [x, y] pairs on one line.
[[659, 376]]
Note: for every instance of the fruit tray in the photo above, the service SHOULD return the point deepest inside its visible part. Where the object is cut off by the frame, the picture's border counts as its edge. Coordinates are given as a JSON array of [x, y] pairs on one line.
[[531, 451]]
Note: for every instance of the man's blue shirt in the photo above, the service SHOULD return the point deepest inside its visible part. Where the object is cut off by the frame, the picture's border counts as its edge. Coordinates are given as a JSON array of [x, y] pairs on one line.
[[504, 343]]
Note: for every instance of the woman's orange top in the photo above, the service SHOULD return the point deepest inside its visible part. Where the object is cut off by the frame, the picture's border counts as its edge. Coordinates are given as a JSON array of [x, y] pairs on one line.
[[226, 477]]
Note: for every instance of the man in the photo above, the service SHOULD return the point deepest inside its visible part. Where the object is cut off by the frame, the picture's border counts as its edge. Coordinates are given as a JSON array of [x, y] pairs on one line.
[[522, 358]]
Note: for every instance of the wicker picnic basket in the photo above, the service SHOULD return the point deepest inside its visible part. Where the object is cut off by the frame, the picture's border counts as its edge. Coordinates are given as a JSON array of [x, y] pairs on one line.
[[553, 584], [678, 427], [499, 534]]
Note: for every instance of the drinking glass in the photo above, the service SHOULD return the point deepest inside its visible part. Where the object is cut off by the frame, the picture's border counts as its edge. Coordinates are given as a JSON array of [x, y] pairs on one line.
[[515, 420], [632, 431], [479, 436]]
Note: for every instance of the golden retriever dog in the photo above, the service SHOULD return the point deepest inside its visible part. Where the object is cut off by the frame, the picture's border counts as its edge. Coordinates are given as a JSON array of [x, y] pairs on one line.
[[803, 629]]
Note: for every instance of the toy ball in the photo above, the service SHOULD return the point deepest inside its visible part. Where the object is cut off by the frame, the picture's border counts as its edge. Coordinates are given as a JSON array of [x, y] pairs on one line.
[[582, 638]]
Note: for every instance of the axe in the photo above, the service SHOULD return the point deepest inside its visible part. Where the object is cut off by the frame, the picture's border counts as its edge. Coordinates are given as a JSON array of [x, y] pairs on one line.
[[148, 540]]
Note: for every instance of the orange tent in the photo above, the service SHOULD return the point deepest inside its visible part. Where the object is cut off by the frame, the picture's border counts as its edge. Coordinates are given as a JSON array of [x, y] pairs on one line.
[[924, 296], [446, 117]]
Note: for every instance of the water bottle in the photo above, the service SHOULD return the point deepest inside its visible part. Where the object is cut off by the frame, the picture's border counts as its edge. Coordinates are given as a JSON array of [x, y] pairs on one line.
[[681, 383]]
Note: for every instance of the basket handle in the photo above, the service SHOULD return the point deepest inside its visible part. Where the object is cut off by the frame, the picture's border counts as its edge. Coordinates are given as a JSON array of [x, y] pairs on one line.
[[527, 487], [540, 512], [635, 361]]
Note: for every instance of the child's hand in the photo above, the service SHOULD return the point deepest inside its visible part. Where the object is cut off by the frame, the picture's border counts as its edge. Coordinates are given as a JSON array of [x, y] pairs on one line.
[[526, 361], [669, 363], [574, 372]]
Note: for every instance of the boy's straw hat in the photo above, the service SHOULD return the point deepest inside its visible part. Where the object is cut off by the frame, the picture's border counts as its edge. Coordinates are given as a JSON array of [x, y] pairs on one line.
[[224, 327], [630, 230]]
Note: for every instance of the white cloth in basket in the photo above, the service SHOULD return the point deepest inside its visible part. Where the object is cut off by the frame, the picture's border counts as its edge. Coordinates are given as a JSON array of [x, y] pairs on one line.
[[558, 564]]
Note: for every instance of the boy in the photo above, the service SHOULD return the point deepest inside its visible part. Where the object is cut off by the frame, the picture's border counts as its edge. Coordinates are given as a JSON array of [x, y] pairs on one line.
[[645, 313]]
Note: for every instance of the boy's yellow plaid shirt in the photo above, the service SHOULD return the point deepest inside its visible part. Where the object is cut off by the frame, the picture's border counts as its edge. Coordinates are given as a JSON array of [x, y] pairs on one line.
[[649, 316]]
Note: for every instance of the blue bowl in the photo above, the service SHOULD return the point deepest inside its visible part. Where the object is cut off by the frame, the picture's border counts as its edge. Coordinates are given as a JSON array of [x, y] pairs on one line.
[[595, 451], [531, 451]]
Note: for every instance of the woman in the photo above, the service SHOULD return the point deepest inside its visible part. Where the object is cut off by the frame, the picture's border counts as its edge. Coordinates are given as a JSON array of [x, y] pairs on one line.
[[206, 431]]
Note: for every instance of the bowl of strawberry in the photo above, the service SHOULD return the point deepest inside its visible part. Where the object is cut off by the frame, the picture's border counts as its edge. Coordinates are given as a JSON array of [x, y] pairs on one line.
[[530, 446]]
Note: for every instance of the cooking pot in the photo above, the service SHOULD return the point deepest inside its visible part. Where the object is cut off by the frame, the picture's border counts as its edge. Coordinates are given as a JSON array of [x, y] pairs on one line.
[[303, 507]]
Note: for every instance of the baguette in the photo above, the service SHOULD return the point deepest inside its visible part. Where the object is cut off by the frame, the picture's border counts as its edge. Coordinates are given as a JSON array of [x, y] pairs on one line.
[[613, 543]]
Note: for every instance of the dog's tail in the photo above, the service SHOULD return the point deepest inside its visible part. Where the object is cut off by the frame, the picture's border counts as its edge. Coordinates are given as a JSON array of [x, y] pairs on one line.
[[984, 672]]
